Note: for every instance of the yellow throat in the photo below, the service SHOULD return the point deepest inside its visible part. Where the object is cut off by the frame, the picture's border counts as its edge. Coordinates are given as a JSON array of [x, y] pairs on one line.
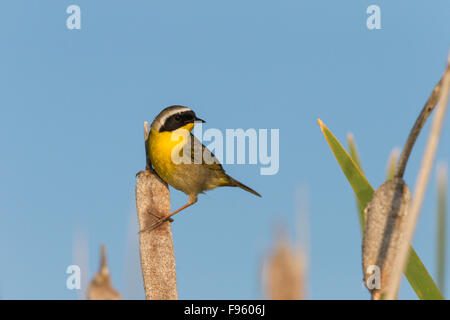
[[162, 144]]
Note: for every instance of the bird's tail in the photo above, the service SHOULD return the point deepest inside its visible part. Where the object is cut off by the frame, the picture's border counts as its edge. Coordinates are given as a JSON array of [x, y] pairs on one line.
[[234, 183]]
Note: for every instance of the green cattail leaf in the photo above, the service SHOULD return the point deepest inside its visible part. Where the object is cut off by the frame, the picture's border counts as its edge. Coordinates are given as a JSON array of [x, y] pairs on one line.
[[353, 151], [416, 273]]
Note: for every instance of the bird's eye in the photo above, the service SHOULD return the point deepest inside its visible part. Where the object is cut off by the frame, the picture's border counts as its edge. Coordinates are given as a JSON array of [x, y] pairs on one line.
[[177, 117]]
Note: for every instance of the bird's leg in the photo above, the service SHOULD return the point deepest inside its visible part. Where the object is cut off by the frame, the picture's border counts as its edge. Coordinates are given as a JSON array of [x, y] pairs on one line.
[[192, 199]]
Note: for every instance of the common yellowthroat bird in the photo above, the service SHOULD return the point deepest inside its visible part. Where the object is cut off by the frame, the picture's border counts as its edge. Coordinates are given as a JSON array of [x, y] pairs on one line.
[[169, 134]]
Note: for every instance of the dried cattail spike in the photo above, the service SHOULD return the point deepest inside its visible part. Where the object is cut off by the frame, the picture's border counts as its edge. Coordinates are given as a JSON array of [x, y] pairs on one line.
[[284, 273], [385, 217], [103, 264], [100, 287]]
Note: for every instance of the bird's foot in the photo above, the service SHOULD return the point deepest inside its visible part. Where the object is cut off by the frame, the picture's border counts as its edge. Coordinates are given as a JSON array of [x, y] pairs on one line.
[[159, 217], [156, 224]]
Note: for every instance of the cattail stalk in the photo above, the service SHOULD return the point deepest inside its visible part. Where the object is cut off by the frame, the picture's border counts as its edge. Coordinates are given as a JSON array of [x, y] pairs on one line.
[[392, 163], [421, 184], [156, 246], [441, 174]]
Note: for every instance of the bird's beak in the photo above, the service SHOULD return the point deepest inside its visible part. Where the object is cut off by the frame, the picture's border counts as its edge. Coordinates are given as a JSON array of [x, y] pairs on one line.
[[199, 120]]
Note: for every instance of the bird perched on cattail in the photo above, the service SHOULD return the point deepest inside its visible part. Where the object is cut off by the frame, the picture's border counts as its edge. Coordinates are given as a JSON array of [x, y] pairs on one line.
[[170, 133]]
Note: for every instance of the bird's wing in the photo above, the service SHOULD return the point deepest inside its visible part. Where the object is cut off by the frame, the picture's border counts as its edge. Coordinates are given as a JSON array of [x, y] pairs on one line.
[[208, 159]]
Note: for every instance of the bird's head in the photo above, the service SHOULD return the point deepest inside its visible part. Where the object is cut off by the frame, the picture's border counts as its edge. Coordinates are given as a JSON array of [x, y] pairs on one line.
[[175, 117]]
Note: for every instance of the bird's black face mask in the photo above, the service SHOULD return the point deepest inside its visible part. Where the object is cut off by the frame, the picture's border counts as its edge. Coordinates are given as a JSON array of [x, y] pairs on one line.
[[178, 120]]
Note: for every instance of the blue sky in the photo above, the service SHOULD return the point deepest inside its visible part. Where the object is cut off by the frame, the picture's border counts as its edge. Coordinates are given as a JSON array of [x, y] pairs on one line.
[[72, 107]]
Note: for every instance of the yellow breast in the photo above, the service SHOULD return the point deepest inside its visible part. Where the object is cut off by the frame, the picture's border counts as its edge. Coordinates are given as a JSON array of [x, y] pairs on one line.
[[162, 146]]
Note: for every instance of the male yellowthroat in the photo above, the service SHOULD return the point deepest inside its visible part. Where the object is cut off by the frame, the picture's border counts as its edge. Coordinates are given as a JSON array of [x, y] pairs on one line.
[[169, 134]]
